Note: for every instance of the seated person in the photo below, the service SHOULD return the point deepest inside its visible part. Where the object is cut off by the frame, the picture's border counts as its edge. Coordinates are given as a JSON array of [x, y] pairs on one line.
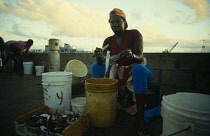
[[126, 50]]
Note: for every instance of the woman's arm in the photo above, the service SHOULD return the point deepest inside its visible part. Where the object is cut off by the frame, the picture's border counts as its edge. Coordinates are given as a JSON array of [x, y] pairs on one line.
[[137, 54], [138, 50]]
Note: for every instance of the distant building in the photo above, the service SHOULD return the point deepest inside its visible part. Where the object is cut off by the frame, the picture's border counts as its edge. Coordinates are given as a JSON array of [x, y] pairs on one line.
[[47, 50], [66, 49]]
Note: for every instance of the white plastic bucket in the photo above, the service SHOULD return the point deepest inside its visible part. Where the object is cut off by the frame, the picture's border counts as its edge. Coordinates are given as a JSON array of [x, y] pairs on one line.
[[183, 110], [79, 105], [28, 68], [39, 70], [78, 70], [57, 88]]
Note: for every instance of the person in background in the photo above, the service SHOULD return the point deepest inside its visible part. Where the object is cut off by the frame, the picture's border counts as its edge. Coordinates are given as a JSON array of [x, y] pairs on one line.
[[1, 44], [126, 50], [13, 50], [1, 50]]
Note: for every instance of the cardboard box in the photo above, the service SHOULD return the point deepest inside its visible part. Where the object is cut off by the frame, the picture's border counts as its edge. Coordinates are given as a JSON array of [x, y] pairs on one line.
[[78, 128]]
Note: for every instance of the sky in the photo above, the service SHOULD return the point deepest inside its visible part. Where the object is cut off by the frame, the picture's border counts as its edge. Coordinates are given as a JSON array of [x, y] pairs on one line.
[[84, 23]]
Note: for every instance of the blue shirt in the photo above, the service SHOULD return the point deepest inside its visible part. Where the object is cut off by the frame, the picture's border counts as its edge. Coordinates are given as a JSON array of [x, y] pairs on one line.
[[98, 70]]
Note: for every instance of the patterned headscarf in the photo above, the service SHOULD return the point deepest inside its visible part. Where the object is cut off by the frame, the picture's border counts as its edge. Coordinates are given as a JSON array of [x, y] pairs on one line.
[[118, 12]]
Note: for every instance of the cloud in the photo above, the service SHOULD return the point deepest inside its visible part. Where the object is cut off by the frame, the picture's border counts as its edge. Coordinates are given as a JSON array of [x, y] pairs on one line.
[[156, 41], [184, 17], [194, 11], [1, 35], [136, 15], [17, 30], [207, 41], [61, 16], [200, 7], [152, 35]]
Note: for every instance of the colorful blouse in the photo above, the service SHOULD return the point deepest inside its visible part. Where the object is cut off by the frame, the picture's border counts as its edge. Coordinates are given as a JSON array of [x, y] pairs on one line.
[[127, 43]]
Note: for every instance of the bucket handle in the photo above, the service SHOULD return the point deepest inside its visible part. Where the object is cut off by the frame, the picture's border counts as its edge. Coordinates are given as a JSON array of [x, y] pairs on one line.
[[180, 131], [45, 91], [77, 109]]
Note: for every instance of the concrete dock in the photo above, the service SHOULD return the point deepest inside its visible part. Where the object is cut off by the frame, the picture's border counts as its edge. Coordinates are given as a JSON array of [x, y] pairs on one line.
[[22, 94]]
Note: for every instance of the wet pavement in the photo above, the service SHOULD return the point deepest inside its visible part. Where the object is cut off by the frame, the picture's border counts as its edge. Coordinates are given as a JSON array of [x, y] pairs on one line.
[[22, 94]]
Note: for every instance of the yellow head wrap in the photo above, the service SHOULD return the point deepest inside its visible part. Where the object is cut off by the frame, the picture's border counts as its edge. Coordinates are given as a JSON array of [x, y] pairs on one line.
[[118, 12]]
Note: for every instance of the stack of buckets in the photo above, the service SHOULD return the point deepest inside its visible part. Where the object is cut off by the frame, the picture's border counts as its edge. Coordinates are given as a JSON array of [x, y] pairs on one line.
[[78, 70]]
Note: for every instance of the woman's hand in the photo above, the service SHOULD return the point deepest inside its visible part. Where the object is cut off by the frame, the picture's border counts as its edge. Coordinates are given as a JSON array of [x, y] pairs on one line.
[[126, 54]]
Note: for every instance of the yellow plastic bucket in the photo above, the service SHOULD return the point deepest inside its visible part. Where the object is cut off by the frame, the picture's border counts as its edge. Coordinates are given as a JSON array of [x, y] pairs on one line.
[[101, 95]]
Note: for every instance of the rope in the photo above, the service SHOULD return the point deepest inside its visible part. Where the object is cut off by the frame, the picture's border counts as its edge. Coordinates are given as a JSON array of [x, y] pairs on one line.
[[180, 131], [77, 109]]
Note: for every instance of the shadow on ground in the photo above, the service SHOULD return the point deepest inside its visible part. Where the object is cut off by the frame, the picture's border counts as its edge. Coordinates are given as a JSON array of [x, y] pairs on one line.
[[22, 94]]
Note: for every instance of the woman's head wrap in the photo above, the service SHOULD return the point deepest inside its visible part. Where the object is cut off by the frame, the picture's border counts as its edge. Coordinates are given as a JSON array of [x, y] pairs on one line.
[[118, 12]]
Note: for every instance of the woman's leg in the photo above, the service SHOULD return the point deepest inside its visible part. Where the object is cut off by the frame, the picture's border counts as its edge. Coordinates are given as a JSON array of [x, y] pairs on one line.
[[142, 75]]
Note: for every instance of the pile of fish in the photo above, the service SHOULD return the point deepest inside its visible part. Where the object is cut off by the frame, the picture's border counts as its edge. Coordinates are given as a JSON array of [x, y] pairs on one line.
[[52, 123]]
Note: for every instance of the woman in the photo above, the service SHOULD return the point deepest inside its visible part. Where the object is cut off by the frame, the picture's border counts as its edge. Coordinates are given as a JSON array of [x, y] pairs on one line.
[[126, 47]]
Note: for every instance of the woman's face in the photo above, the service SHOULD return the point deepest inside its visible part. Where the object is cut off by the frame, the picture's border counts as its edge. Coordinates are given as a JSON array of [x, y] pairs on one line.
[[117, 24]]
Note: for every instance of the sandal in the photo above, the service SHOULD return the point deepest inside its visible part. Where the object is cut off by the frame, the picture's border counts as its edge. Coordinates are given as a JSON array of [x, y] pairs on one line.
[[143, 131]]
